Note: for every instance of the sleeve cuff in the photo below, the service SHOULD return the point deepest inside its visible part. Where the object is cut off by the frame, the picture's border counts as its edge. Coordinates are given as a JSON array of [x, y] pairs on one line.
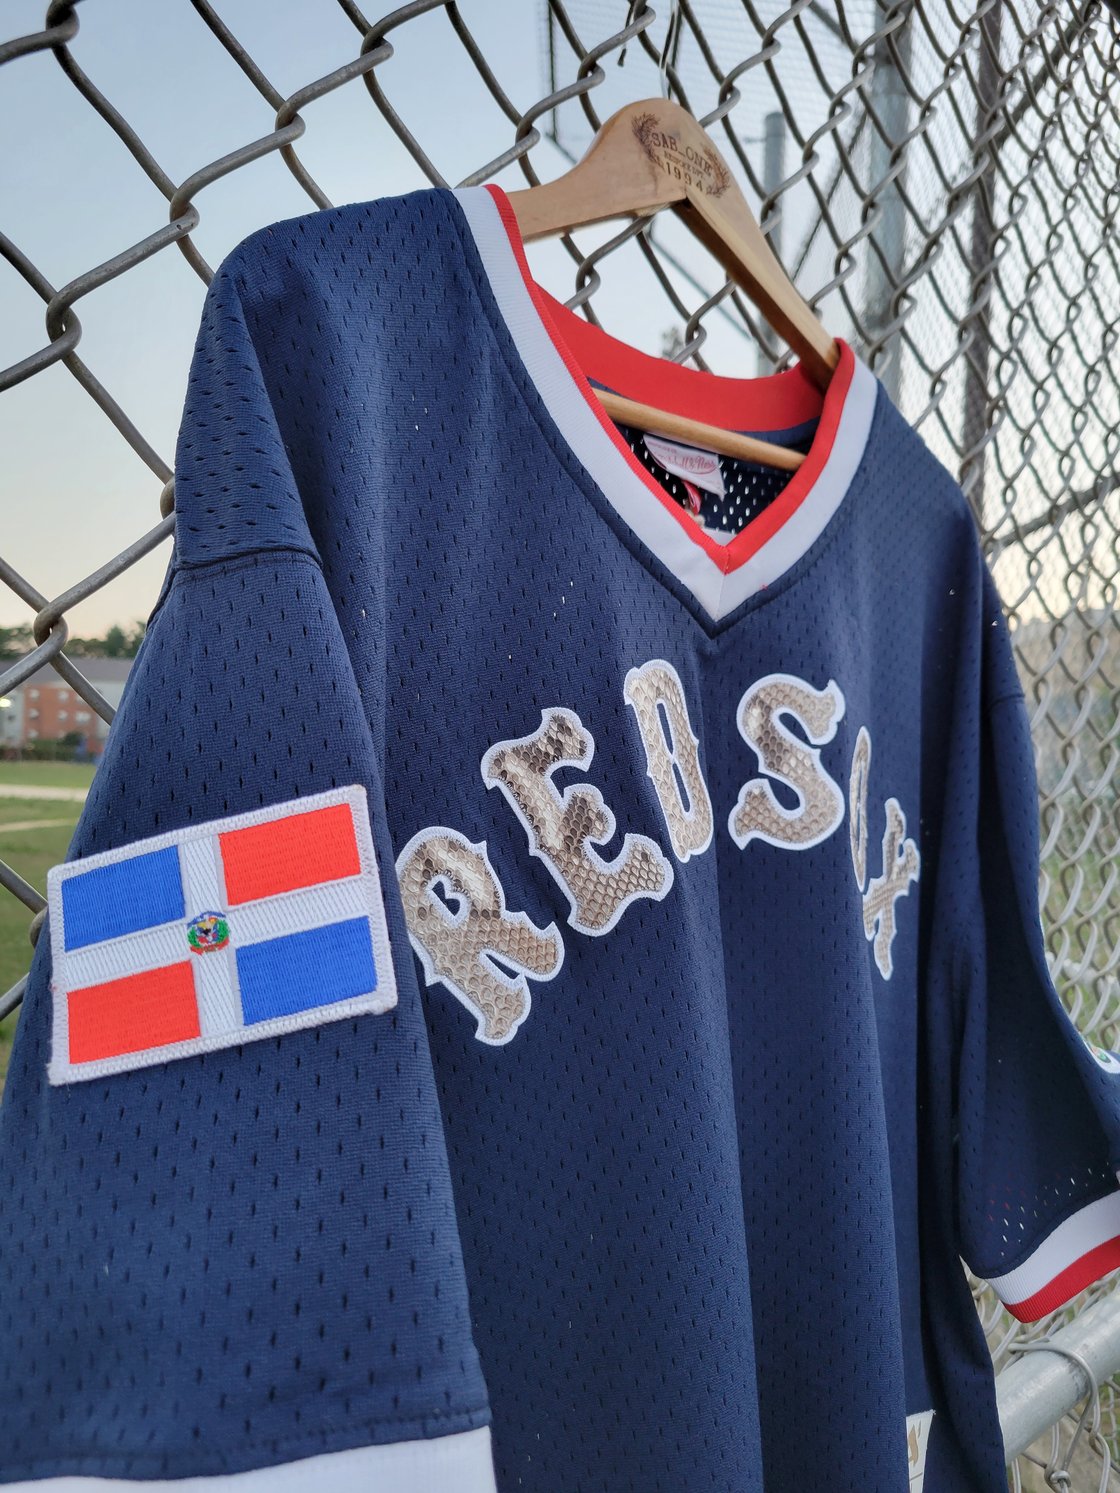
[[1082, 1249]]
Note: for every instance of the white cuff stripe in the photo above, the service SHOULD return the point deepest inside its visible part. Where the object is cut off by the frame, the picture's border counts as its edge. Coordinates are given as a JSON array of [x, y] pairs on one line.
[[461, 1462], [1082, 1232]]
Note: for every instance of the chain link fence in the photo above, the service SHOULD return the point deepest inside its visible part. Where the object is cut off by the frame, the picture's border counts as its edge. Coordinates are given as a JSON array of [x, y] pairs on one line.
[[942, 179]]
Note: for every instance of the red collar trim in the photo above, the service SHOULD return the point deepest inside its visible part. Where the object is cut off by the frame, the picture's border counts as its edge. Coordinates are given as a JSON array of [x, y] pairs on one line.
[[777, 402]]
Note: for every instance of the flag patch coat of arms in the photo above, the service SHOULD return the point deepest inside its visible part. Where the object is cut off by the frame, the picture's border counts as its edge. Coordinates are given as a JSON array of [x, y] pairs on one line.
[[217, 934]]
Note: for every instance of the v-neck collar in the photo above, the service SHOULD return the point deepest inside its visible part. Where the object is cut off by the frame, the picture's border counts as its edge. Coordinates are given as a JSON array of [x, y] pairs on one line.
[[720, 577]]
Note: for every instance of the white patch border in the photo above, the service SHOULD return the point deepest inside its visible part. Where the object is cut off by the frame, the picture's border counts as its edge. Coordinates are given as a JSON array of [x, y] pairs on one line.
[[61, 1070], [1104, 1057]]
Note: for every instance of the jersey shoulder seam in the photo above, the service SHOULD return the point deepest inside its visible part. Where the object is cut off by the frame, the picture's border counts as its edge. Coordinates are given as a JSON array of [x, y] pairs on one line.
[[181, 569]]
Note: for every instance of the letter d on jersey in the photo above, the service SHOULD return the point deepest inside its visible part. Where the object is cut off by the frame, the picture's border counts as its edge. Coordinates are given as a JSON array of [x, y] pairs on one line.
[[657, 684]]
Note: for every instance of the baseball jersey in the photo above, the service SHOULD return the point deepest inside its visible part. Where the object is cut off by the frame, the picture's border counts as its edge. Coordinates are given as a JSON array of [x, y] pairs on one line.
[[548, 982]]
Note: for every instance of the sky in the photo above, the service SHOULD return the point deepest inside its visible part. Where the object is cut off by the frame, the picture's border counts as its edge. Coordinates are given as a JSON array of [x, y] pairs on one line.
[[72, 493]]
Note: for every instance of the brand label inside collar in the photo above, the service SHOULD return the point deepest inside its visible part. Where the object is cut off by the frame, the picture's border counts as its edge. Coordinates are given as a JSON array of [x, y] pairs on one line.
[[688, 462]]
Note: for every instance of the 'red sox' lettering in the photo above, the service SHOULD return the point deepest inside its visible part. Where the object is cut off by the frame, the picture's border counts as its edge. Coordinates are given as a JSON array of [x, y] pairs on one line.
[[464, 947]]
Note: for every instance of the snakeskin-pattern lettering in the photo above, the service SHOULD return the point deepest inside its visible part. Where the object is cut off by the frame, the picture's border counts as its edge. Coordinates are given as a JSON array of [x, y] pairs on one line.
[[857, 805], [689, 825], [454, 945], [901, 866], [757, 813], [562, 827]]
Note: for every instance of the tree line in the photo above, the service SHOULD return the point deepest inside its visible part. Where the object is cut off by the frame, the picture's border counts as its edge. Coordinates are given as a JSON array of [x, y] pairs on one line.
[[117, 642]]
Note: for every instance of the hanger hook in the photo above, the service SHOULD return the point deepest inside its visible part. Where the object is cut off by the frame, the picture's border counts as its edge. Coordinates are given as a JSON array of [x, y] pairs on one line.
[[672, 41]]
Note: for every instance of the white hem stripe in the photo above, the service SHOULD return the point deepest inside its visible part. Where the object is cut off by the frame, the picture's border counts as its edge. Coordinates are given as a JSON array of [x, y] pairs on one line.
[[461, 1462]]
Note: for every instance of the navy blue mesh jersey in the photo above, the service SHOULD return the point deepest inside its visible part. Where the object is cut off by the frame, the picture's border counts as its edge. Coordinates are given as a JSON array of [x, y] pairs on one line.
[[548, 983]]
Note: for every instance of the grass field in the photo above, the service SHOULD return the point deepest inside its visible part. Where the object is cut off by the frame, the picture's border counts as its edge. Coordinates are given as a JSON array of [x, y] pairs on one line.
[[34, 834], [47, 774]]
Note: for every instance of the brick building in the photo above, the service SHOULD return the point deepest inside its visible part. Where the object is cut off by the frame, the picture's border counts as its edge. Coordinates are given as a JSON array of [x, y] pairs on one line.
[[46, 708]]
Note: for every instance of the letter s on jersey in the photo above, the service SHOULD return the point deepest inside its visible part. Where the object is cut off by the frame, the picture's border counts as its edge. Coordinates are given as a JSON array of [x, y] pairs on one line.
[[758, 814]]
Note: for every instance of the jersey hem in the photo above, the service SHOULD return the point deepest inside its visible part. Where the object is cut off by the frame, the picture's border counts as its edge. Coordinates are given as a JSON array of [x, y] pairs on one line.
[[1080, 1250], [278, 1451]]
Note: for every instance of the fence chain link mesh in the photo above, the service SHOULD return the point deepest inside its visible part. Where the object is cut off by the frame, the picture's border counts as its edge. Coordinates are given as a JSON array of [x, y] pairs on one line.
[[942, 179]]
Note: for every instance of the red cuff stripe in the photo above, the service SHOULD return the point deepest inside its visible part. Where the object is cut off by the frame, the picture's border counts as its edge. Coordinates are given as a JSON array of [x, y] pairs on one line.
[[1069, 1282]]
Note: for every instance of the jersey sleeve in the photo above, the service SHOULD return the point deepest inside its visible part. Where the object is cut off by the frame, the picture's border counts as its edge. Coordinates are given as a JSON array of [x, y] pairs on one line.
[[1038, 1105], [227, 1232]]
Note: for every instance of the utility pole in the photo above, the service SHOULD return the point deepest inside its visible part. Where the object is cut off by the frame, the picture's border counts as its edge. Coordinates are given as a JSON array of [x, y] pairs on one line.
[[976, 328], [886, 261]]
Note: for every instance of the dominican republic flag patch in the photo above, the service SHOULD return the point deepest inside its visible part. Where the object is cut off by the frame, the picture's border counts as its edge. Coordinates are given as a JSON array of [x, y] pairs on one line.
[[217, 934]]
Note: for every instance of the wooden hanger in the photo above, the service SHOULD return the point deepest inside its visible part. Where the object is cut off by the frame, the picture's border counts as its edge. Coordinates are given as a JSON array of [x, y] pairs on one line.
[[653, 154]]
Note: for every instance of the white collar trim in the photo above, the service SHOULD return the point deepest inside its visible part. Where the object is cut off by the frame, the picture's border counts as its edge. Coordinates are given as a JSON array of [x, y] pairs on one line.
[[718, 591]]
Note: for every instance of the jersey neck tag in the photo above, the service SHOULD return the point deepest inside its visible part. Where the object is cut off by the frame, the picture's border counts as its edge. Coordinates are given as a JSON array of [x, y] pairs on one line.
[[691, 464], [917, 1443]]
